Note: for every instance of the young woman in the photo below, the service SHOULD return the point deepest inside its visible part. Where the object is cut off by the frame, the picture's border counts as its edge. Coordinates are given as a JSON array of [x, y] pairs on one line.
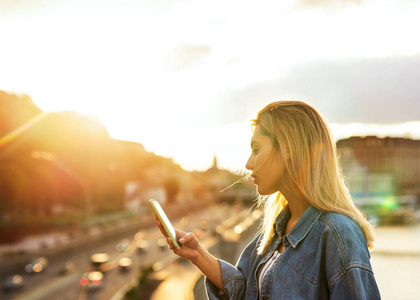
[[314, 241]]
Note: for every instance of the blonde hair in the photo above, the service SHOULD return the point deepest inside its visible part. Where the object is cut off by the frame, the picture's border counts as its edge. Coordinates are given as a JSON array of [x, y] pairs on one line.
[[299, 132]]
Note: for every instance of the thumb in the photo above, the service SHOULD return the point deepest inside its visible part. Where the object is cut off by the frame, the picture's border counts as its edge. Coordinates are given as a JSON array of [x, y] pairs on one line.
[[189, 240]]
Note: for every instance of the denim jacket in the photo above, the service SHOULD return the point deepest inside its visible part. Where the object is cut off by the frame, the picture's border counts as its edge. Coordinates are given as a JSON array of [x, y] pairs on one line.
[[326, 257]]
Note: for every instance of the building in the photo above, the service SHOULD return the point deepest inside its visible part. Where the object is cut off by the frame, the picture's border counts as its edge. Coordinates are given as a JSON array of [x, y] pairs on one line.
[[397, 157], [383, 176], [362, 182]]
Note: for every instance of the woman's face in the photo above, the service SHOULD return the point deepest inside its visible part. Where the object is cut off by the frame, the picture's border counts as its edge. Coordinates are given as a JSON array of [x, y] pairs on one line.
[[267, 164]]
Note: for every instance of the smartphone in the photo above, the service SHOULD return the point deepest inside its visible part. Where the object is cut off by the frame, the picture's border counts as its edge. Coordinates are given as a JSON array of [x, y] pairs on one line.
[[166, 224]]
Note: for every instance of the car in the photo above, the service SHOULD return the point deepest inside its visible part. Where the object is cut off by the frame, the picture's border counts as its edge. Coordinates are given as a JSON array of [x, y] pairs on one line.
[[125, 264], [36, 265], [141, 235], [12, 283], [92, 280], [142, 245], [123, 245], [99, 262]]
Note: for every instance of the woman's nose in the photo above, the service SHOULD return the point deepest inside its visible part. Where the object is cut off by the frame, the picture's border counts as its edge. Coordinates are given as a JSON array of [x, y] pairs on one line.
[[249, 164]]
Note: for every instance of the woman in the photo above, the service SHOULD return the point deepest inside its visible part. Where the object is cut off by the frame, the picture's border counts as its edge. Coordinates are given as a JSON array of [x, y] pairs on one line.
[[314, 241]]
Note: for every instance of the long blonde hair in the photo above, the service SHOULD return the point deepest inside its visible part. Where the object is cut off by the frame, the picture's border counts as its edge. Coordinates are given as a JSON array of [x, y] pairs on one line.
[[299, 132]]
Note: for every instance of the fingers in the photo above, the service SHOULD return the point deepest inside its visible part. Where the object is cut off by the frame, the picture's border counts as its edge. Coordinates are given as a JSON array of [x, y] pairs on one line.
[[160, 227], [178, 251], [171, 246], [190, 240], [183, 240], [187, 238]]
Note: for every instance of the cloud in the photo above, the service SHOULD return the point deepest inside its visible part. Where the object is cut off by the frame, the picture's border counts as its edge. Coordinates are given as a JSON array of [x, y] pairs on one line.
[[383, 91], [186, 56]]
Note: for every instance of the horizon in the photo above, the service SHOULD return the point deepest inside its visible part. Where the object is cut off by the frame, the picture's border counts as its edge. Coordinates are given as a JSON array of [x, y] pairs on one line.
[[409, 130], [237, 136], [183, 78]]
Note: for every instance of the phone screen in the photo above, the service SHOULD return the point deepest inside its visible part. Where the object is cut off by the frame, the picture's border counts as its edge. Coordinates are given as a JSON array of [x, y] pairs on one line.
[[165, 218], [170, 230]]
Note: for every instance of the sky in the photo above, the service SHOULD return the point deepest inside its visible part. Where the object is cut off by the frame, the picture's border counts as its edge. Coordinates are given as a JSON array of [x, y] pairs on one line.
[[185, 77]]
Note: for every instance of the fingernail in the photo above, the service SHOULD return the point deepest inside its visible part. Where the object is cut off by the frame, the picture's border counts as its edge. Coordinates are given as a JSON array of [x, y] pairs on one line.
[[181, 240]]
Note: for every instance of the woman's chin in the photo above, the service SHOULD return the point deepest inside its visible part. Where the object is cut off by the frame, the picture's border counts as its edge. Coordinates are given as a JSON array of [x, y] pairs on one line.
[[265, 192], [262, 192]]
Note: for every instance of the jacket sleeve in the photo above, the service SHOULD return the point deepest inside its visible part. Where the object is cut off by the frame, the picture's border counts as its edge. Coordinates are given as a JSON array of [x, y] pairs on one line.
[[234, 279], [356, 283], [234, 283]]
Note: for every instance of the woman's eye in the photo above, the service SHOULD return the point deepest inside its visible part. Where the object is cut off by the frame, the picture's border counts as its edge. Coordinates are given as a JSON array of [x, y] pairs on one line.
[[255, 150]]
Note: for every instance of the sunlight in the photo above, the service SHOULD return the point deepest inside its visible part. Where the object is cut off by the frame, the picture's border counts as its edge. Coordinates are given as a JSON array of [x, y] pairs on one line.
[[21, 129], [141, 73]]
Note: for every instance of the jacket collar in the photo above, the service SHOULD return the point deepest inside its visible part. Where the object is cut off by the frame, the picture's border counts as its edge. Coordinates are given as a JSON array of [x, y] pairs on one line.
[[302, 227]]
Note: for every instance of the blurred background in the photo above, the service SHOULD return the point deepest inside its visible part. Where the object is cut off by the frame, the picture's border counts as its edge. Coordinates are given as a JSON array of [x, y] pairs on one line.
[[106, 104]]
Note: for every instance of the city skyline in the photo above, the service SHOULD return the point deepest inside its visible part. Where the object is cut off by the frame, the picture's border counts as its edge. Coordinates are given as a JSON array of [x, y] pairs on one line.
[[184, 78]]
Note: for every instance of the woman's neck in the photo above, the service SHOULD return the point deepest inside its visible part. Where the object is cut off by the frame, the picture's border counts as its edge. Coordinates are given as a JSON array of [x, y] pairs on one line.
[[297, 208]]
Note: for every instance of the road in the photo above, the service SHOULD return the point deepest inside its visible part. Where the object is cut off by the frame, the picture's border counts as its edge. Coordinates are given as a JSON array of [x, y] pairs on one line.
[[395, 261], [50, 285], [68, 286]]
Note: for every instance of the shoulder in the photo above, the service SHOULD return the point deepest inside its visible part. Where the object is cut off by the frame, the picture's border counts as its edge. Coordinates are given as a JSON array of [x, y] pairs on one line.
[[345, 247], [340, 224], [344, 234]]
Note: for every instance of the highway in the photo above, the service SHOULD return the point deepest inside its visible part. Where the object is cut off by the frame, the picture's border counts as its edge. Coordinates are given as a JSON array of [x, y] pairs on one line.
[[51, 284], [397, 248]]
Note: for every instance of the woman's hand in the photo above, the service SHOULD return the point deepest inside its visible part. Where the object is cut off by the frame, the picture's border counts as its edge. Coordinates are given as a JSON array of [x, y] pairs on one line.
[[189, 241], [192, 250]]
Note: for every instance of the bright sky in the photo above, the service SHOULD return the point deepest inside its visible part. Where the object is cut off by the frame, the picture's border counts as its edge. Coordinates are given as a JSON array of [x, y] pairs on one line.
[[184, 77]]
